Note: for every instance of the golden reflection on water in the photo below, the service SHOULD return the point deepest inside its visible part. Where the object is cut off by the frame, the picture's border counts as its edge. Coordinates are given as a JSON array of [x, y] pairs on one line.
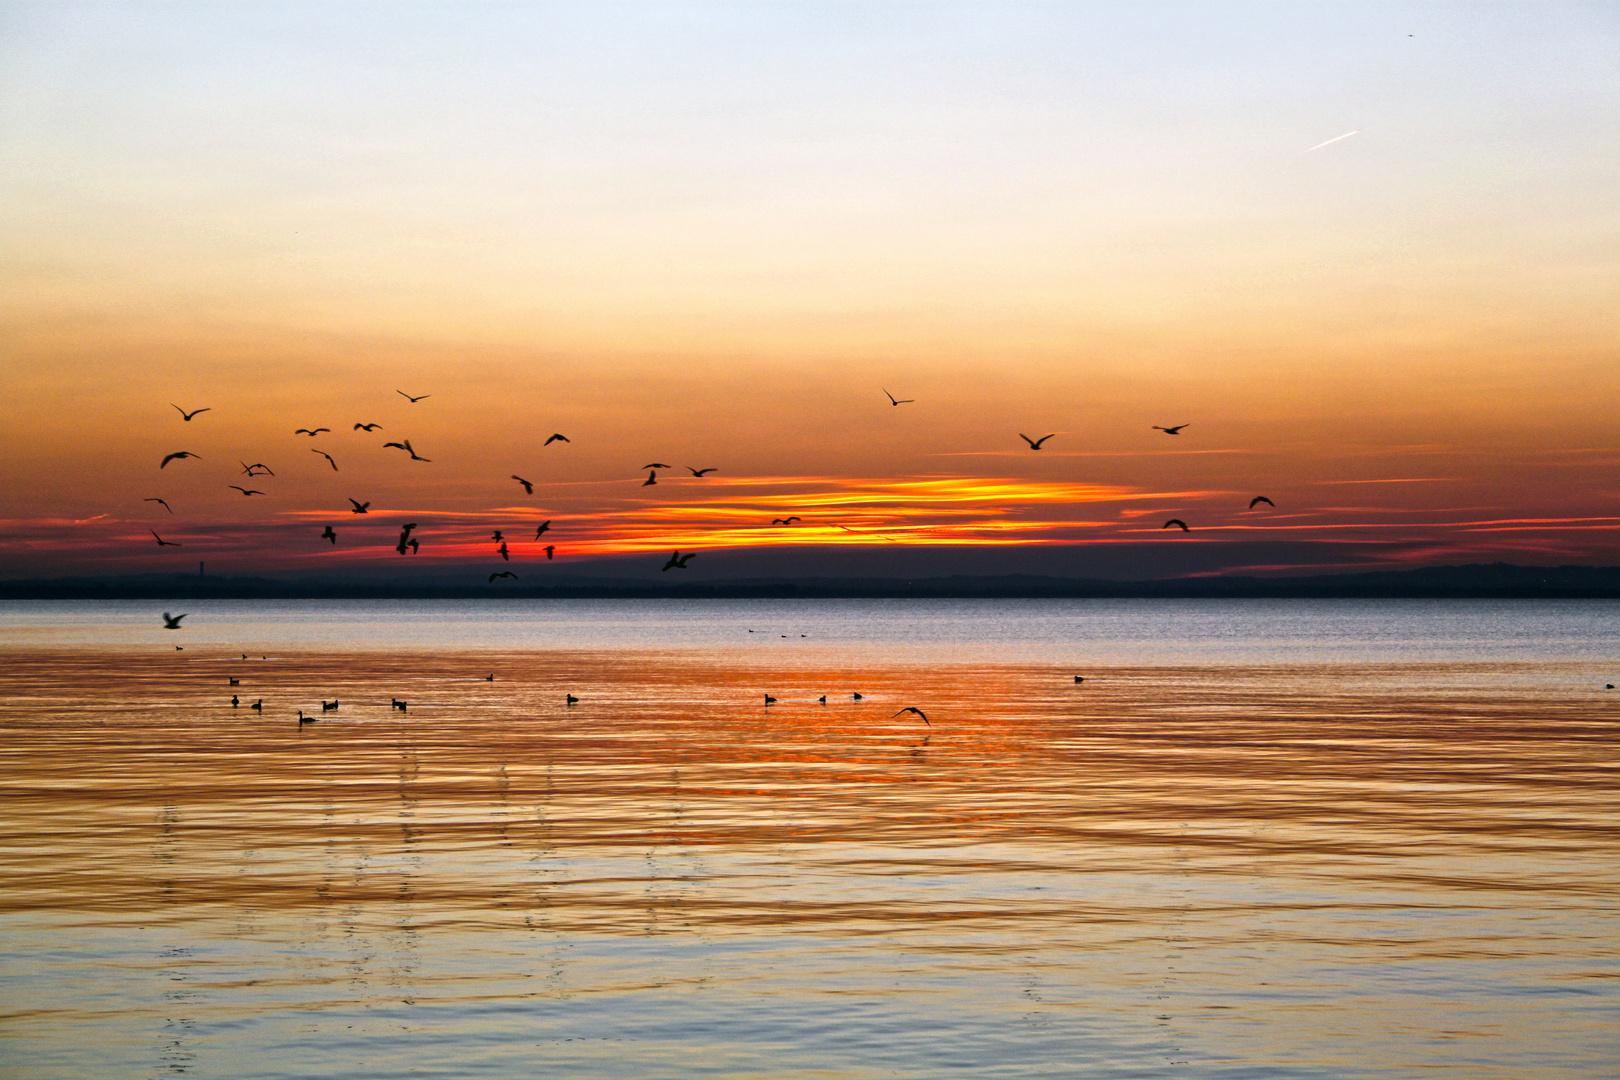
[[1176, 839]]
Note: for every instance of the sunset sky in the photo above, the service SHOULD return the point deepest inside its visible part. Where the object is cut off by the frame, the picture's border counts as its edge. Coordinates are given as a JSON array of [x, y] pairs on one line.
[[713, 234]]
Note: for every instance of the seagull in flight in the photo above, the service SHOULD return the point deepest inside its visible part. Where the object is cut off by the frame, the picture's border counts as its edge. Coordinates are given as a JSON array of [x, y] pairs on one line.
[[311, 434], [503, 573], [496, 536], [171, 622], [913, 708], [328, 458], [165, 505], [506, 556], [1170, 430], [178, 454], [700, 472], [243, 490], [330, 534], [1258, 499], [677, 561], [528, 488], [899, 401], [367, 427], [652, 479], [416, 545], [786, 520], [658, 465], [406, 446], [186, 416], [549, 549], [162, 542], [1035, 444], [556, 438], [253, 470], [1177, 522], [544, 525], [359, 507], [412, 400]]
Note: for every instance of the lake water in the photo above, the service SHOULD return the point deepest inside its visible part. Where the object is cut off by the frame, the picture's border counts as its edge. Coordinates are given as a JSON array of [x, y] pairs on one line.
[[1261, 839]]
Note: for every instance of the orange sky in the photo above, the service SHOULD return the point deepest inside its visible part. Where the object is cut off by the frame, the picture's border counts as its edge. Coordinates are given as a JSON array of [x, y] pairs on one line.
[[711, 236]]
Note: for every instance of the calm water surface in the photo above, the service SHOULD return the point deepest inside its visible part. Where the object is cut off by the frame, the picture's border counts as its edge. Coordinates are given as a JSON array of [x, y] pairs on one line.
[[1304, 839]]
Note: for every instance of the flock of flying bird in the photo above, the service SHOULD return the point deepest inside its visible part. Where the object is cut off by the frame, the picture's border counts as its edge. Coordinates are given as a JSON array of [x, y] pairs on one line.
[[411, 544]]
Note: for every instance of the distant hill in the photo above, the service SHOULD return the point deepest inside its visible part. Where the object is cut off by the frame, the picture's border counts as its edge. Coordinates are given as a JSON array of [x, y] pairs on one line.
[[1482, 581]]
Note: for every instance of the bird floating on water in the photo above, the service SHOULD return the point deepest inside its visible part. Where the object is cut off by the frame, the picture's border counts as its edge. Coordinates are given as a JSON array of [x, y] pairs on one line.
[[769, 700], [570, 699]]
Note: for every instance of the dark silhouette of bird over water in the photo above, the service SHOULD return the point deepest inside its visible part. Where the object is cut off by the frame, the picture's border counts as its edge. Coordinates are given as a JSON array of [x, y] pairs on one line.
[[898, 401], [503, 573], [1177, 522], [699, 472], [412, 400], [162, 542], [786, 520], [186, 416], [328, 458], [1079, 678], [171, 622], [1258, 499], [165, 505], [570, 699], [178, 454], [330, 534], [556, 438], [1170, 430], [913, 708], [1035, 444], [677, 561], [359, 507], [769, 700], [528, 488]]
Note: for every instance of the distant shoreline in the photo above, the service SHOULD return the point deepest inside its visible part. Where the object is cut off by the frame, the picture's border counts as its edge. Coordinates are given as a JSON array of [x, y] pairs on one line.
[[1497, 581]]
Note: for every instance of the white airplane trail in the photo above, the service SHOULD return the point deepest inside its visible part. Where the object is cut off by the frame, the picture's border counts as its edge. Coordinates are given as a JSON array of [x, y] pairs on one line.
[[1335, 139]]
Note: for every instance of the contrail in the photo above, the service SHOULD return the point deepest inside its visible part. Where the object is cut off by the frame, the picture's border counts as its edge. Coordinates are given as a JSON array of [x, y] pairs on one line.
[[1335, 139]]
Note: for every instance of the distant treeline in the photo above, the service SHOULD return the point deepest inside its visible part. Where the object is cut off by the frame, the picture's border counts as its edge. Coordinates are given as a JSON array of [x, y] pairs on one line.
[[1493, 581]]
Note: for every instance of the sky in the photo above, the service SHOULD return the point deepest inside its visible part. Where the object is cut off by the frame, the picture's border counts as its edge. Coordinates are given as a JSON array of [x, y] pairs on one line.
[[720, 235]]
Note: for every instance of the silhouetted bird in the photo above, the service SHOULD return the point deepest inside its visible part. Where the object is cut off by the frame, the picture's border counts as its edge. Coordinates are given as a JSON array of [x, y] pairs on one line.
[[544, 525], [302, 719], [822, 699], [1035, 444], [503, 573], [328, 458], [1079, 678], [416, 545], [570, 699], [359, 507], [855, 697], [186, 416], [311, 433], [678, 561], [549, 549], [257, 706], [1177, 522], [235, 701], [404, 542], [769, 700], [496, 536], [505, 555], [913, 708], [412, 400], [786, 520], [900, 401], [490, 677], [406, 446], [329, 534], [164, 543], [367, 427], [700, 472], [408, 528], [165, 505], [1258, 499], [243, 490], [528, 488], [556, 438], [1170, 430], [171, 622], [233, 682], [256, 468], [652, 479], [658, 465], [178, 454]]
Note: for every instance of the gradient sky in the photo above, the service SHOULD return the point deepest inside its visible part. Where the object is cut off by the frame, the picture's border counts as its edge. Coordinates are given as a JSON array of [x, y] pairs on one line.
[[712, 234]]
